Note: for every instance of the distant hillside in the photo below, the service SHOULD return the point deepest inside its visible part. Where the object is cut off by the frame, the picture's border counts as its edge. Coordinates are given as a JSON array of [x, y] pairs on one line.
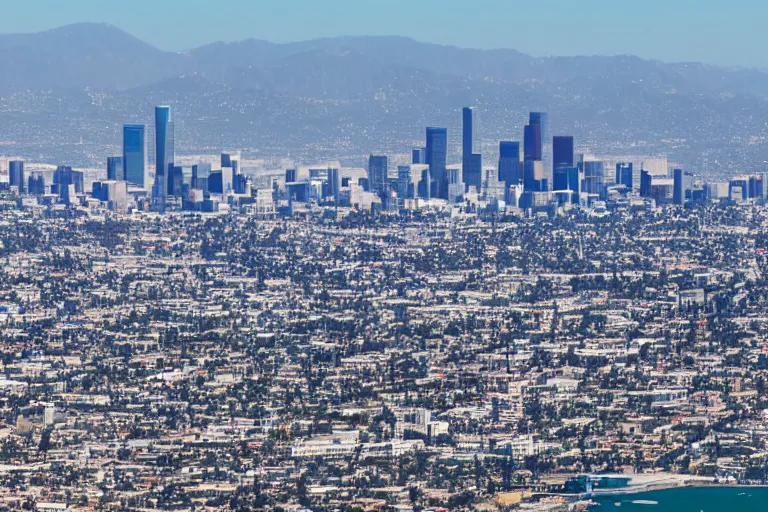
[[348, 96], [102, 56]]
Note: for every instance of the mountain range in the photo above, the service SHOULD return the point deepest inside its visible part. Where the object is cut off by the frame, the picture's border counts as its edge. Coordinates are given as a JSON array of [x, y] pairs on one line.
[[65, 93]]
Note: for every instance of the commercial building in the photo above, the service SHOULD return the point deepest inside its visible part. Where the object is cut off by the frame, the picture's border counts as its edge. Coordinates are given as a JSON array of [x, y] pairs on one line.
[[16, 174], [436, 156], [509, 163], [472, 165], [135, 158], [115, 168], [164, 148]]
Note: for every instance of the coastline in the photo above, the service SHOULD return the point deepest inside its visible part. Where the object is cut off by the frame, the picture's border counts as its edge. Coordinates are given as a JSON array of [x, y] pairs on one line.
[[668, 485]]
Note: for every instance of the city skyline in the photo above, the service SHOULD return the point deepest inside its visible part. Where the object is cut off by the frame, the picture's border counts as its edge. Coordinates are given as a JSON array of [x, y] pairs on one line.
[[550, 176], [370, 274]]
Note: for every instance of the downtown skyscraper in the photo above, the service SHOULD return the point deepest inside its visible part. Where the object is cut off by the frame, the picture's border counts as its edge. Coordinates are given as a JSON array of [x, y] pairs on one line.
[[532, 142], [471, 162], [115, 168], [377, 175], [562, 151], [678, 194], [537, 158], [565, 176], [16, 174], [164, 149], [135, 157], [509, 162], [537, 143], [624, 174], [436, 155], [593, 177]]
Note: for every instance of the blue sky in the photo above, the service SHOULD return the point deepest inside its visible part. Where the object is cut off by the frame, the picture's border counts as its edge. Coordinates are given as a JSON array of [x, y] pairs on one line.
[[727, 33]]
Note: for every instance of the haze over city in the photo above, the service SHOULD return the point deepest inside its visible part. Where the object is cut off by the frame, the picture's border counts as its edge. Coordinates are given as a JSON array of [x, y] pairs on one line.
[[383, 256]]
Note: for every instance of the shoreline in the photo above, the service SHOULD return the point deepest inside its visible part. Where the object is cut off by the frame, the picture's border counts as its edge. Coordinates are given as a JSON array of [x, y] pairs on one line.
[[665, 486]]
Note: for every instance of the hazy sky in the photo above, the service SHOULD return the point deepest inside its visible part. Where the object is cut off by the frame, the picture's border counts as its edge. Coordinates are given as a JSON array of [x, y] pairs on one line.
[[722, 32]]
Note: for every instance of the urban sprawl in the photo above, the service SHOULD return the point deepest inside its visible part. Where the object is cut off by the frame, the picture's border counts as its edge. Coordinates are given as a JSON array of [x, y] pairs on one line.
[[426, 336]]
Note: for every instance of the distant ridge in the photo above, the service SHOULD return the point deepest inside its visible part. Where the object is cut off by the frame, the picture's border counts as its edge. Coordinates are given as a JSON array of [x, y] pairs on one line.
[[345, 97], [102, 56]]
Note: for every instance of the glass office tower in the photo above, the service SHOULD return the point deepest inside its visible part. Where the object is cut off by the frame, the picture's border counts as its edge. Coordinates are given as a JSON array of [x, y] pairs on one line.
[[164, 146], [567, 179], [16, 174], [436, 156], [467, 134], [645, 183], [532, 142], [542, 141], [562, 151], [377, 174], [594, 177], [678, 196], [471, 162], [67, 182], [115, 168], [509, 162], [135, 155], [624, 175]]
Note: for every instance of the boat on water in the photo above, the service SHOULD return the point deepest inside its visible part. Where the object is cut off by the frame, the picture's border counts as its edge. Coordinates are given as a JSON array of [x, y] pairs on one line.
[[645, 502]]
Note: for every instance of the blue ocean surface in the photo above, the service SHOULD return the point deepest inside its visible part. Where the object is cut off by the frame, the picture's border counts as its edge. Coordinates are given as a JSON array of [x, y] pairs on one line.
[[689, 499]]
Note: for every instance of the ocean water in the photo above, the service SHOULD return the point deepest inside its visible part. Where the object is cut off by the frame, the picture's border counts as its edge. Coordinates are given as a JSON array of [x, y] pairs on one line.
[[689, 499]]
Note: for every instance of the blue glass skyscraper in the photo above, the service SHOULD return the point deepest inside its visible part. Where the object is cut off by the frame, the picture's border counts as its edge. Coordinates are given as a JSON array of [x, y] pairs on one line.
[[424, 185], [472, 172], [509, 162], [135, 155], [377, 174], [532, 142], [467, 133], [36, 184], [67, 181], [562, 151], [567, 178], [333, 184], [533, 176], [231, 160], [436, 156], [115, 168], [164, 147], [594, 177], [741, 185], [471, 162], [624, 174], [541, 141], [175, 180], [678, 196], [646, 183], [16, 174], [202, 171]]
